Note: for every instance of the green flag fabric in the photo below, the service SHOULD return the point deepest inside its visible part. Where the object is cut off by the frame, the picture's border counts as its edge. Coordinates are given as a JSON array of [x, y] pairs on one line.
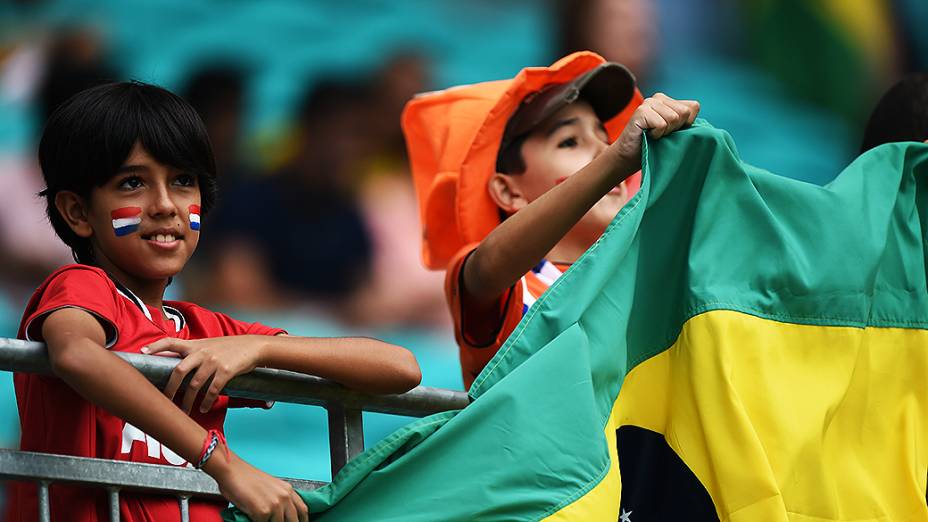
[[773, 331]]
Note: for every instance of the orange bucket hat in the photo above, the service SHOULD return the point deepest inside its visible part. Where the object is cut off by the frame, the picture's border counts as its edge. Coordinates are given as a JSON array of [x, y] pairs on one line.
[[453, 138]]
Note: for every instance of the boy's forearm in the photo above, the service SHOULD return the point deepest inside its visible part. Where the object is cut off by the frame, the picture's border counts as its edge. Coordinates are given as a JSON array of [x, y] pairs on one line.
[[111, 383], [522, 240], [360, 363]]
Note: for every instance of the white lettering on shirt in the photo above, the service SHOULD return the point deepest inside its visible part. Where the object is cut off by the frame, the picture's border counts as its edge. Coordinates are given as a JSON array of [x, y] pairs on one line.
[[156, 450]]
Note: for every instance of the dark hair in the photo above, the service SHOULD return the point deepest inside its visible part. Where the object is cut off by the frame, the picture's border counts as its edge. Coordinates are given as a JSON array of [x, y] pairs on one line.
[[509, 160], [900, 115], [88, 137]]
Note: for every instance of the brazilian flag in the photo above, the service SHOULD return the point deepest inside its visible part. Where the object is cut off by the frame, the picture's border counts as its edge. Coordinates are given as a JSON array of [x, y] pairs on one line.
[[772, 331]]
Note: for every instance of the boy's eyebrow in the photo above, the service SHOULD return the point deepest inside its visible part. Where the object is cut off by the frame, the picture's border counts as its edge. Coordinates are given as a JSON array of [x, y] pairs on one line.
[[561, 123], [131, 168]]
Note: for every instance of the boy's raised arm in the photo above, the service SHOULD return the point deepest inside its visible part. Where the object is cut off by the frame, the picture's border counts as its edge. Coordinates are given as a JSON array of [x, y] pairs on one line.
[[522, 240], [75, 341]]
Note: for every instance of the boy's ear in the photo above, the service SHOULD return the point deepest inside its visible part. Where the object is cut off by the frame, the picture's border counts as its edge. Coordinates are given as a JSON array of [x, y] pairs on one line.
[[506, 192], [74, 211]]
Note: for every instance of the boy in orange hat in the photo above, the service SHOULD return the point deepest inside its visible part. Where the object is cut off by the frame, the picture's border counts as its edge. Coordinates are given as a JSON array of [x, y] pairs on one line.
[[517, 178]]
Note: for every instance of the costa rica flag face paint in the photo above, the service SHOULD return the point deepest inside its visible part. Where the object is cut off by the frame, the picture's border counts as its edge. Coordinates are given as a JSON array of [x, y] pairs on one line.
[[126, 220], [194, 217]]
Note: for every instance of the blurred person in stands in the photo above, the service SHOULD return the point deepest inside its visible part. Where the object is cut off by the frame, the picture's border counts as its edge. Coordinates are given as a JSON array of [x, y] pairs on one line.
[[621, 31], [400, 290], [298, 234], [900, 115], [401, 77], [218, 94], [44, 75]]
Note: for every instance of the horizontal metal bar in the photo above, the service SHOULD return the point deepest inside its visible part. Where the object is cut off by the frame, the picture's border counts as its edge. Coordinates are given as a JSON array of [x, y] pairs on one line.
[[263, 383], [43, 467]]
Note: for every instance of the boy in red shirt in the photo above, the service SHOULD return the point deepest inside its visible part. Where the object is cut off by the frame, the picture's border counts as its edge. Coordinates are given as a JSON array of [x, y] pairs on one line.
[[517, 178], [129, 171]]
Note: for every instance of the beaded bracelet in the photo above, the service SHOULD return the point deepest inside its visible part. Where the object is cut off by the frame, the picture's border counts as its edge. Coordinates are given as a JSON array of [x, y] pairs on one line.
[[213, 439]]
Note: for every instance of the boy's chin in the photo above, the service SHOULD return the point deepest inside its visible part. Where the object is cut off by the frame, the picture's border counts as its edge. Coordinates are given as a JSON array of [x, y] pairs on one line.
[[607, 207], [161, 272], [595, 221]]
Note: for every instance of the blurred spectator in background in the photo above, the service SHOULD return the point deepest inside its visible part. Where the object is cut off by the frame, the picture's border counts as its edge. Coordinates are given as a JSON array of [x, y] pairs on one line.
[[46, 73], [622, 31], [298, 232], [218, 95], [900, 115], [336, 225], [400, 290], [76, 61], [402, 76]]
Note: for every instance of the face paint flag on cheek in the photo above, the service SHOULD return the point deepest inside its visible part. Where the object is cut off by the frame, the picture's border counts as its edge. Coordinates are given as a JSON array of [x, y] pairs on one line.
[[126, 220], [194, 217]]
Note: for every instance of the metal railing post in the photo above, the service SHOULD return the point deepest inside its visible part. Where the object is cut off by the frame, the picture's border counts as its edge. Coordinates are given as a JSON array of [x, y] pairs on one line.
[[346, 435], [45, 514], [112, 495]]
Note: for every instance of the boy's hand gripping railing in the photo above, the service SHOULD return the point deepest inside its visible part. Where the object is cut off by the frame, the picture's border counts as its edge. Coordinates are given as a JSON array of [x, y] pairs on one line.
[[343, 406]]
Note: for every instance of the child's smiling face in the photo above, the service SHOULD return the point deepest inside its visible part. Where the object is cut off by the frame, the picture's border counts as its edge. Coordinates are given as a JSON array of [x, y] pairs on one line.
[[161, 197]]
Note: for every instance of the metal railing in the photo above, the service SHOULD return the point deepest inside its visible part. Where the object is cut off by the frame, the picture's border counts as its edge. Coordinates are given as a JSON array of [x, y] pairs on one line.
[[343, 407]]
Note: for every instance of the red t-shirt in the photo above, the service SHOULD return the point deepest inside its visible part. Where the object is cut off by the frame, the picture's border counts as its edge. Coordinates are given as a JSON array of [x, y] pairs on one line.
[[55, 419]]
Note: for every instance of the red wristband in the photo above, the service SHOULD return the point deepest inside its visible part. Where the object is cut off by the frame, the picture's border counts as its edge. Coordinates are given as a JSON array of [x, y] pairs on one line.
[[213, 439]]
